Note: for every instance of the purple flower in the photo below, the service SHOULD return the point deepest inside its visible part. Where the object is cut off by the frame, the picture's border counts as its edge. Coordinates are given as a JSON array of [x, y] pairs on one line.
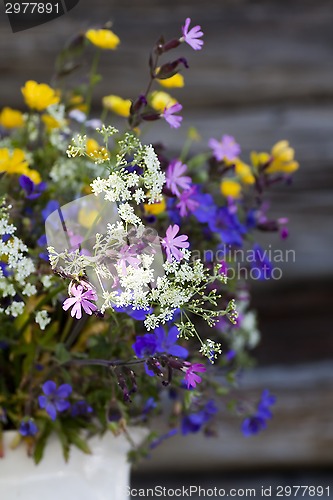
[[175, 177], [228, 226], [168, 115], [54, 399], [172, 243], [81, 409], [166, 342], [227, 148], [191, 378], [31, 189], [194, 421], [186, 203], [192, 37], [81, 299], [128, 255], [28, 428]]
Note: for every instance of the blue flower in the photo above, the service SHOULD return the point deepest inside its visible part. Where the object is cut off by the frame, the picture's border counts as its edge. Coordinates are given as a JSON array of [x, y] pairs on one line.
[[257, 422], [228, 226], [137, 314], [252, 425], [145, 345], [150, 405], [28, 428], [166, 342], [193, 422], [55, 399], [261, 264], [31, 189], [207, 208], [4, 269], [81, 409], [50, 207], [162, 438]]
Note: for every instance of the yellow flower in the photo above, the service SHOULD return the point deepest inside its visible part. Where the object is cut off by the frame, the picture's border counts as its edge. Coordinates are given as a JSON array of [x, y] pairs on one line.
[[87, 217], [231, 188], [244, 172], [104, 39], [281, 159], [96, 151], [39, 95], [15, 163], [160, 100], [117, 104], [10, 118], [155, 208], [77, 102], [50, 122], [175, 81]]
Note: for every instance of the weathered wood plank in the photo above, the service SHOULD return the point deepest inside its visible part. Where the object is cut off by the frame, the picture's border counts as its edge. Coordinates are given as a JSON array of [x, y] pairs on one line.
[[300, 434]]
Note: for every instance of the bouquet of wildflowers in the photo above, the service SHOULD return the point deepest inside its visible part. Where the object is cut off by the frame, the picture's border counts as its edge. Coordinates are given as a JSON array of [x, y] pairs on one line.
[[119, 281]]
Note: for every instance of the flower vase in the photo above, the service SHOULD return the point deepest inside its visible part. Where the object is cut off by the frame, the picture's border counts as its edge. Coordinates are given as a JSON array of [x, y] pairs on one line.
[[103, 475]]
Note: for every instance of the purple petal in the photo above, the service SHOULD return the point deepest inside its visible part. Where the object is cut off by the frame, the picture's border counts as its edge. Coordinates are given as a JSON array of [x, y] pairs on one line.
[[42, 400]]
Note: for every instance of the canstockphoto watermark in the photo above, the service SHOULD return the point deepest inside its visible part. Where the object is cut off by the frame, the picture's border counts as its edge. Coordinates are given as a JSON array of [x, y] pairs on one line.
[[189, 491], [253, 263], [24, 15]]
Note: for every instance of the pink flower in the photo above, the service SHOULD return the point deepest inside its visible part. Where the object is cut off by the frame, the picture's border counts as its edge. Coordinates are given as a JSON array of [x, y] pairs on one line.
[[175, 177], [186, 204], [191, 378], [168, 115], [80, 299], [191, 37], [128, 255], [171, 242], [227, 148]]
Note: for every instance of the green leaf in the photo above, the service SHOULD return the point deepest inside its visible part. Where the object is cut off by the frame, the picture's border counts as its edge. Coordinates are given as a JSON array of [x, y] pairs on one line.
[[61, 353], [79, 442], [41, 443]]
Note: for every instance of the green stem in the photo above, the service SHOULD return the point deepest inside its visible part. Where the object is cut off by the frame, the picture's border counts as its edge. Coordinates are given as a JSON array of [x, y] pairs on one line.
[[92, 82]]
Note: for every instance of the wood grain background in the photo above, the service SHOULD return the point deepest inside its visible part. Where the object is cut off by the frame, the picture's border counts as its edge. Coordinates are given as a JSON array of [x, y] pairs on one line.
[[266, 73]]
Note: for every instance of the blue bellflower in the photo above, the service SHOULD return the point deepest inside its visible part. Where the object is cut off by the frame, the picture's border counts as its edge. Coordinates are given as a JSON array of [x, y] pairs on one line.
[[28, 428], [257, 422], [55, 398], [193, 422]]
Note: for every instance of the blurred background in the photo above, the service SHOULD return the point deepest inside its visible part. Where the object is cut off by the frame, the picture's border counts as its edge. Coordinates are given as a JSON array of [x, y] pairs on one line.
[[265, 74]]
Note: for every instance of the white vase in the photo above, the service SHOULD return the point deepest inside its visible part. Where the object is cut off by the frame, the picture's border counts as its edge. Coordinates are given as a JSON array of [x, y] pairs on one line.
[[103, 475]]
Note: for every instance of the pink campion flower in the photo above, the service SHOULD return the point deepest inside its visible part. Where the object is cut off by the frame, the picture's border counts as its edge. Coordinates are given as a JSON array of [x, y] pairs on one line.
[[191, 378], [227, 148], [81, 298], [186, 204], [192, 37], [128, 255], [168, 115], [175, 177], [171, 242]]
